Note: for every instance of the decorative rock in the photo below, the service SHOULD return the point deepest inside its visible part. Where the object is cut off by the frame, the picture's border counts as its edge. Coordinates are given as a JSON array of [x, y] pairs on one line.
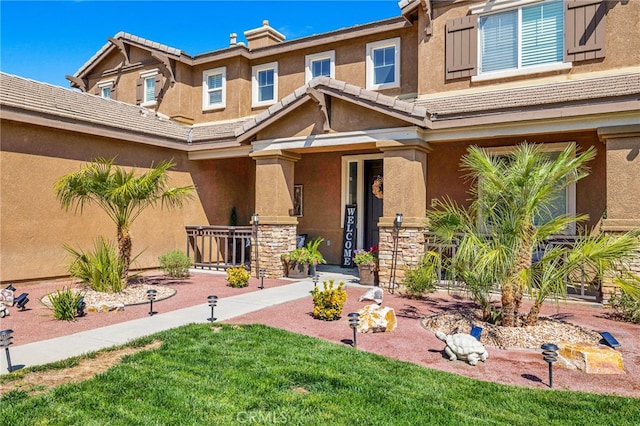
[[592, 360], [6, 296], [464, 347], [374, 294], [375, 319]]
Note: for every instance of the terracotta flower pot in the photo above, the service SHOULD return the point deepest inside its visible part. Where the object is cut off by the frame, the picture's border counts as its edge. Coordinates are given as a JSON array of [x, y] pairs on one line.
[[368, 274]]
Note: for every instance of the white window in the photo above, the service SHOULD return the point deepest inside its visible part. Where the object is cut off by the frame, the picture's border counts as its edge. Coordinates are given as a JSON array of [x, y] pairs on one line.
[[149, 87], [105, 88], [523, 38], [320, 64], [264, 84], [214, 84], [383, 64]]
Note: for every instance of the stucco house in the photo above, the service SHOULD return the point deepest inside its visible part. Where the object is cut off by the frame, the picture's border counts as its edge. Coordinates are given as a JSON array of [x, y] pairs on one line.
[[398, 100]]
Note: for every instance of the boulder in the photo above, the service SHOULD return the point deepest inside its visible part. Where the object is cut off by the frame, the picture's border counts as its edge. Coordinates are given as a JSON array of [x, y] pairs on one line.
[[375, 319], [592, 360]]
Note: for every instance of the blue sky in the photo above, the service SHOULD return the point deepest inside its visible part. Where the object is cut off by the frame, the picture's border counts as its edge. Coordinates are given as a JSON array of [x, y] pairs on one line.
[[46, 40]]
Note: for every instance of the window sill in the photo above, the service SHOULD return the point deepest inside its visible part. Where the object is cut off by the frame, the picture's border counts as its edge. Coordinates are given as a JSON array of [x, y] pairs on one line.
[[262, 104], [148, 104], [384, 86], [524, 71], [214, 107]]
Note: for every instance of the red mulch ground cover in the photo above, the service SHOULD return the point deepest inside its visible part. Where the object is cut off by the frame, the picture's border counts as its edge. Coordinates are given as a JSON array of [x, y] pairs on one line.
[[409, 342]]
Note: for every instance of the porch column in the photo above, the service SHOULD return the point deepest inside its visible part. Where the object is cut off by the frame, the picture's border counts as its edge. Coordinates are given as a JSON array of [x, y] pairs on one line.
[[405, 191], [623, 185], [274, 204]]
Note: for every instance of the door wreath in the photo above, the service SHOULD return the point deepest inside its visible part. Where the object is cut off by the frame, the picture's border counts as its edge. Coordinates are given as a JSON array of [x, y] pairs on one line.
[[376, 188]]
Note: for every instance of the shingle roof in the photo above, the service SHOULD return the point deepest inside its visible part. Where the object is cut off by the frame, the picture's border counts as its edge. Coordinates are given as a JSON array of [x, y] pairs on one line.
[[59, 102], [537, 95]]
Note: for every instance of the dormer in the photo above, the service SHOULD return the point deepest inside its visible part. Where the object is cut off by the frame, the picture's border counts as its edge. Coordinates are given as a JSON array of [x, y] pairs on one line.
[[263, 36]]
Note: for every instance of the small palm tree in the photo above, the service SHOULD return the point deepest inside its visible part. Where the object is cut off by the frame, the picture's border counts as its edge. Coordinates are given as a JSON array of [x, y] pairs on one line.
[[510, 217], [121, 194]]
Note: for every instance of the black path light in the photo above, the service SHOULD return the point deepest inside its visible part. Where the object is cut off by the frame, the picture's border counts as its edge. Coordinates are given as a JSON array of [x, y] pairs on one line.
[[256, 221], [354, 320], [213, 301], [151, 295], [315, 280], [10, 287], [550, 355], [5, 341], [262, 273], [80, 307], [397, 223]]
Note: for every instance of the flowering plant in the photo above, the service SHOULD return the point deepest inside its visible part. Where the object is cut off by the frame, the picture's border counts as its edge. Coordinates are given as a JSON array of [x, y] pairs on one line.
[[364, 257]]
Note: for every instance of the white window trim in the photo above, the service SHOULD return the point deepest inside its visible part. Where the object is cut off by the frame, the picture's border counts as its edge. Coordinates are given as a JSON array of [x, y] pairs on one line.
[[105, 84], [344, 191], [254, 84], [206, 106], [504, 5], [331, 55], [395, 42], [570, 190], [145, 75]]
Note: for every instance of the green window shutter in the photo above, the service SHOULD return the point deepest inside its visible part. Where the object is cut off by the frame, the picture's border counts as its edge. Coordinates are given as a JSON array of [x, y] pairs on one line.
[[585, 28]]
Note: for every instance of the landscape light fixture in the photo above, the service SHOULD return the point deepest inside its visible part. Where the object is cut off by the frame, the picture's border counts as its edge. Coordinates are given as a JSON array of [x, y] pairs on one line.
[[21, 301], [354, 320], [397, 223], [81, 307], [213, 301], [550, 355], [262, 273], [315, 280], [255, 218], [10, 287], [151, 295], [5, 341]]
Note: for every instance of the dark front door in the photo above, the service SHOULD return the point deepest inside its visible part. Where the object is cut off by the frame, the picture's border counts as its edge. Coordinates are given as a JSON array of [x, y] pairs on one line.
[[373, 204]]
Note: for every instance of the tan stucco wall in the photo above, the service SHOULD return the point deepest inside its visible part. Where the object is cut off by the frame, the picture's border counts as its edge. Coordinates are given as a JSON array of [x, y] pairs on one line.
[[622, 47], [34, 227], [623, 181]]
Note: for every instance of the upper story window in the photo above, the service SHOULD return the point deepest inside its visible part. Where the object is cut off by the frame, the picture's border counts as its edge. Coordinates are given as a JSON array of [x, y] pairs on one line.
[[505, 38], [214, 84], [320, 64], [264, 84], [383, 64], [106, 89], [526, 36], [148, 87]]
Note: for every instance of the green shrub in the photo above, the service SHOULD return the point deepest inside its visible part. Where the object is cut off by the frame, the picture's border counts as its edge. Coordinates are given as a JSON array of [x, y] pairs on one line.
[[237, 277], [625, 307], [101, 270], [175, 263], [64, 303], [421, 279], [328, 303]]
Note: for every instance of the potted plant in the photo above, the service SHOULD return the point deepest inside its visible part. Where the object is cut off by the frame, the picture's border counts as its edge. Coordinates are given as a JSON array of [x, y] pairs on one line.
[[297, 262], [315, 257], [367, 262]]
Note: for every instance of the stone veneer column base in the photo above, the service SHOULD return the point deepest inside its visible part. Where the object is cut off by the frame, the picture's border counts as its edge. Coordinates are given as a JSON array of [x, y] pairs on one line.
[[410, 252], [273, 241]]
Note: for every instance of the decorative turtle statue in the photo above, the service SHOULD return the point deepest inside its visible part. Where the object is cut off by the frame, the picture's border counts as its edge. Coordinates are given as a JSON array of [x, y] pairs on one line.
[[464, 347]]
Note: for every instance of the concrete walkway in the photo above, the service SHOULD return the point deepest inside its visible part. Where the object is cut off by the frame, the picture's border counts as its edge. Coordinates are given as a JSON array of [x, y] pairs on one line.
[[60, 348]]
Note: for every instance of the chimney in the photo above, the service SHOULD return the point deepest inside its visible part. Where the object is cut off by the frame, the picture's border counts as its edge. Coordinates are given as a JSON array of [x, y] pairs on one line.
[[263, 36], [233, 39]]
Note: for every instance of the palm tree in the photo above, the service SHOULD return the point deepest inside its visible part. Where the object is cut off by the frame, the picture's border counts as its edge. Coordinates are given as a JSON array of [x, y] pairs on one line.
[[511, 216], [121, 194]]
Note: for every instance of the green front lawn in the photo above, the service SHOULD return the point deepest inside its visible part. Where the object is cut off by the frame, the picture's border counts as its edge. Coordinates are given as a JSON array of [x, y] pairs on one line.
[[261, 375]]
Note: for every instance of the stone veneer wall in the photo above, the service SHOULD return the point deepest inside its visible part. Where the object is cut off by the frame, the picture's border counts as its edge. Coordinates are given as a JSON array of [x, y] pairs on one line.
[[273, 241], [609, 286], [410, 251]]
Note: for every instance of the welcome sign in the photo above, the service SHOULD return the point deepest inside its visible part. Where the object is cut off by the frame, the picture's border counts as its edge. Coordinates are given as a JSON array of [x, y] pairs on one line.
[[349, 236]]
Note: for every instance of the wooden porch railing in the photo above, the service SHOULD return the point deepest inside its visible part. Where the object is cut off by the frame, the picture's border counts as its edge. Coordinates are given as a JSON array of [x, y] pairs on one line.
[[219, 247]]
